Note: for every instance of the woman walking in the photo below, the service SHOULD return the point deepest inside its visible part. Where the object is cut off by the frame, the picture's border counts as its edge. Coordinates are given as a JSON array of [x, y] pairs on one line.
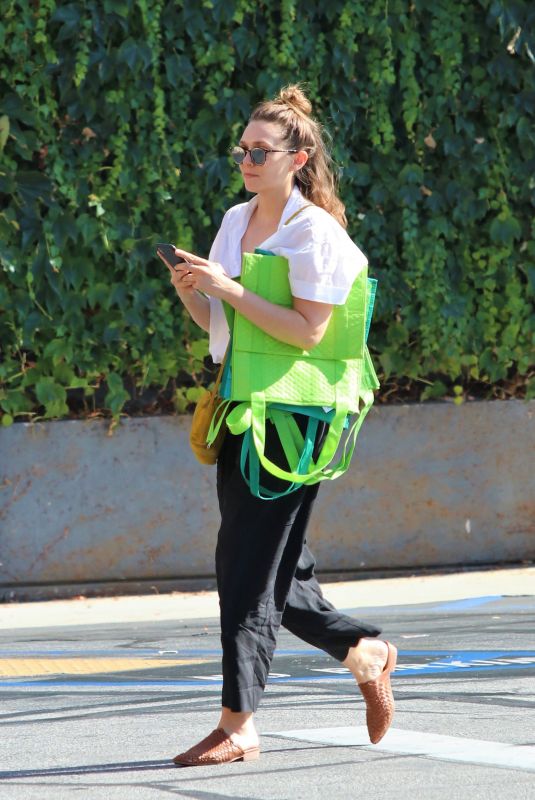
[[265, 570]]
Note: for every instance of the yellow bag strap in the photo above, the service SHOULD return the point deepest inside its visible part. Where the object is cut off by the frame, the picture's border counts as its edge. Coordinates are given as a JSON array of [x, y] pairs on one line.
[[221, 368], [223, 405], [305, 205]]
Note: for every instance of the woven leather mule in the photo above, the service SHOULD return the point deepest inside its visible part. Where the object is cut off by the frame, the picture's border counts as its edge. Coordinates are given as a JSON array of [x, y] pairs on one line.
[[216, 748], [379, 698]]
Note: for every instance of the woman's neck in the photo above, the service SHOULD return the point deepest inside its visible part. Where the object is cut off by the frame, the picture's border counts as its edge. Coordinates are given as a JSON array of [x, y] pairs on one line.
[[271, 204]]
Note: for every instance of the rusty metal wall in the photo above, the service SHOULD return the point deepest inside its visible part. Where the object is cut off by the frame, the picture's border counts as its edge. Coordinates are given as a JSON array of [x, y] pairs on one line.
[[431, 484]]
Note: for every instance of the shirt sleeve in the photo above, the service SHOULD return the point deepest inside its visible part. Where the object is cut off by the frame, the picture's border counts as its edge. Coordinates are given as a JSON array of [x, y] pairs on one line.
[[323, 264], [219, 332]]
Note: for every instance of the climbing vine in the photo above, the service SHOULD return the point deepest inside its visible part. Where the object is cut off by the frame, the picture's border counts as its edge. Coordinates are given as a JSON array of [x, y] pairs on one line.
[[115, 122]]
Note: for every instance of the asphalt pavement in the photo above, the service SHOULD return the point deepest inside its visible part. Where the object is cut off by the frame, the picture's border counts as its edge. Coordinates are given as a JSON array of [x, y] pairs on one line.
[[98, 696]]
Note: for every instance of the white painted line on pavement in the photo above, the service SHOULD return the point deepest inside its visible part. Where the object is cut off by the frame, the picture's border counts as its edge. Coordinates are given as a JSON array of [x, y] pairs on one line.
[[429, 745]]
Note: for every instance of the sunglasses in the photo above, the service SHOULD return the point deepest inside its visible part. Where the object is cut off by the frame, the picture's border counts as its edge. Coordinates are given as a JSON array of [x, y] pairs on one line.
[[258, 154]]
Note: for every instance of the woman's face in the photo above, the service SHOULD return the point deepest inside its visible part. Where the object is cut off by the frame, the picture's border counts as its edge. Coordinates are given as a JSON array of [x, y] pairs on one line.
[[278, 171]]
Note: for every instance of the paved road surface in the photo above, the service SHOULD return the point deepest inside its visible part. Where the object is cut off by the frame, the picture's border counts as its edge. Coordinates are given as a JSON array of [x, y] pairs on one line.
[[97, 710]]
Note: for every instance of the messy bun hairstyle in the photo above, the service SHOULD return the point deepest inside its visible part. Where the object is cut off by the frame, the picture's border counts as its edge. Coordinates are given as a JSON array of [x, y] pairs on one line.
[[292, 110]]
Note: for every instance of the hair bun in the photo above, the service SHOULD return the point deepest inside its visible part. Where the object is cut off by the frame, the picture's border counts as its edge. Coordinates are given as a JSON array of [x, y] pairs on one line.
[[294, 97]]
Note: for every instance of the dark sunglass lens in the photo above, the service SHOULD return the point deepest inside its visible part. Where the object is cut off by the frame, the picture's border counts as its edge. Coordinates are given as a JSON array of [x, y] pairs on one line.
[[258, 156], [238, 154]]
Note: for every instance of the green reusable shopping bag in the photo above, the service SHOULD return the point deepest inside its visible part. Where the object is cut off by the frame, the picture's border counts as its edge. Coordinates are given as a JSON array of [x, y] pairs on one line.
[[268, 375], [283, 373]]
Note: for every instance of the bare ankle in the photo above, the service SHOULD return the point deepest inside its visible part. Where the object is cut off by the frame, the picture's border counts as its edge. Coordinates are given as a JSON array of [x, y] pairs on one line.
[[367, 659], [240, 723]]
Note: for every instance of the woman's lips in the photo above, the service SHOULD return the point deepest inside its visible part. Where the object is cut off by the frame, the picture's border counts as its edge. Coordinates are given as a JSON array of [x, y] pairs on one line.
[[249, 175]]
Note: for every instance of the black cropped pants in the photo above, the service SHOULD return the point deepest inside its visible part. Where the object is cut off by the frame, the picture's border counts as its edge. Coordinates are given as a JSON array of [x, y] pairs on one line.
[[265, 576]]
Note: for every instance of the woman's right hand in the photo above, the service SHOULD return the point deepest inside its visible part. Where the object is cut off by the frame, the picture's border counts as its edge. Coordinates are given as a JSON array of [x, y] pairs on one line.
[[195, 302], [178, 275]]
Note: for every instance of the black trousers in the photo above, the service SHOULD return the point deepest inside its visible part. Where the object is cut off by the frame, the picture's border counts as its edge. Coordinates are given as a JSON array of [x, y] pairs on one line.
[[265, 576]]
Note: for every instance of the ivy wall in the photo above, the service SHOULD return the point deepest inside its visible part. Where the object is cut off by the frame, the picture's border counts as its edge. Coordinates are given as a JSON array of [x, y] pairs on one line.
[[115, 122]]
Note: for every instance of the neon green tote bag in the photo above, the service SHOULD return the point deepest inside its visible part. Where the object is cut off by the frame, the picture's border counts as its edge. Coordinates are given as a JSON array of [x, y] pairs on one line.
[[266, 373]]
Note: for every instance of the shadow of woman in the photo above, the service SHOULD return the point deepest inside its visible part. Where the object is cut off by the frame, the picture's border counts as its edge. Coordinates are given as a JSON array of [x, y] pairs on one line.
[[88, 769]]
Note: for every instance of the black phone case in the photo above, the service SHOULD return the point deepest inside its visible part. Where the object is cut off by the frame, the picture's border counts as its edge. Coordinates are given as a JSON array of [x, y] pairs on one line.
[[168, 251]]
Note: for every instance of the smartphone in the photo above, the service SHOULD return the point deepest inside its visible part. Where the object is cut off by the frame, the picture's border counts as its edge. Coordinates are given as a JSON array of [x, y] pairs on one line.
[[168, 252]]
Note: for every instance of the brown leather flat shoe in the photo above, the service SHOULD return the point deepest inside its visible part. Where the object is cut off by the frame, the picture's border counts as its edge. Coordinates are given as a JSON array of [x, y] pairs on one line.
[[379, 698], [216, 748]]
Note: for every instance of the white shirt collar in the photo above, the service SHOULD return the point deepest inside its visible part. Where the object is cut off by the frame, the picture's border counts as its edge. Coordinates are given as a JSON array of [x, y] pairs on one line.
[[232, 251], [295, 201]]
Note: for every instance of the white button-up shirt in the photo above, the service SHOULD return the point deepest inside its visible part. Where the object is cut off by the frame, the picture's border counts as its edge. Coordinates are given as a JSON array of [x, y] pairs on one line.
[[323, 260]]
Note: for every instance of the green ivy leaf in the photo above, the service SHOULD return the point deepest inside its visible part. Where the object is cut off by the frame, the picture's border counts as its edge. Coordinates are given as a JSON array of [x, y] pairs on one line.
[[121, 7], [199, 349], [52, 396], [70, 13], [505, 229], [194, 393], [33, 186], [58, 349], [433, 392], [4, 130], [134, 54], [117, 395]]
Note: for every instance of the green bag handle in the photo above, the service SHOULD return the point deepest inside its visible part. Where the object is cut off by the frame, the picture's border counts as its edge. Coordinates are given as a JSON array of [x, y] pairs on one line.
[[347, 454], [213, 430], [240, 419], [330, 445], [287, 429], [296, 449]]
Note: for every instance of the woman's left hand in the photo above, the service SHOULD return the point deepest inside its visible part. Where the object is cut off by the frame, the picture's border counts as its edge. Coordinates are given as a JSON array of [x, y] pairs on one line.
[[206, 276]]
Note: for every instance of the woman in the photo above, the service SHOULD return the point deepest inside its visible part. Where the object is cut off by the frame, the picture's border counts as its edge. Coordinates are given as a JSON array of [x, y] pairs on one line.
[[265, 571]]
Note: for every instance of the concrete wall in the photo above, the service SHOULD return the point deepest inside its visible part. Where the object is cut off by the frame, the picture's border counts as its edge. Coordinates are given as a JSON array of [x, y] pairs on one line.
[[431, 484]]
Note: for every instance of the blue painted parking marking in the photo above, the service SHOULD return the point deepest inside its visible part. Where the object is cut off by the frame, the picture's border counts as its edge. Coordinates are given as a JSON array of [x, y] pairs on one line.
[[410, 663], [462, 661], [467, 604]]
